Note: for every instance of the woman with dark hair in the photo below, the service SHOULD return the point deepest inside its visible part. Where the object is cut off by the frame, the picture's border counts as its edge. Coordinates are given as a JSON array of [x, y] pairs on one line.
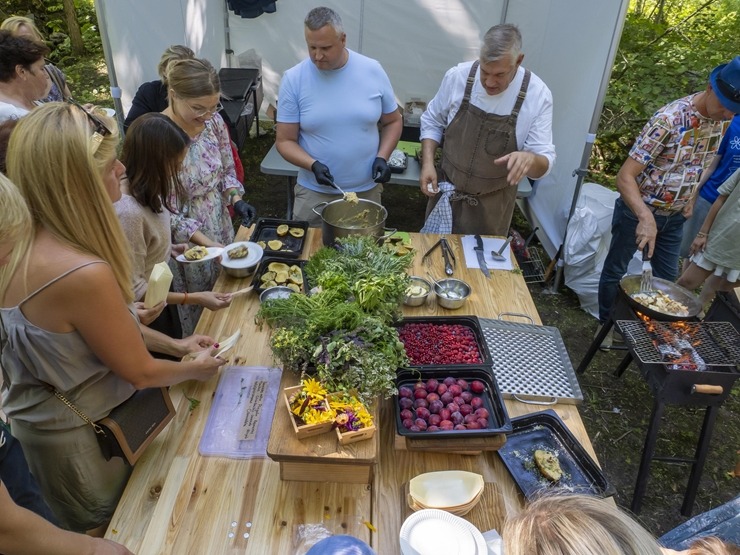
[[153, 153], [24, 27], [23, 79]]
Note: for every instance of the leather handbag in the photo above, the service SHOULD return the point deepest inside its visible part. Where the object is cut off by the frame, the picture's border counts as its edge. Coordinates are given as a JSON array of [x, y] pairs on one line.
[[131, 426]]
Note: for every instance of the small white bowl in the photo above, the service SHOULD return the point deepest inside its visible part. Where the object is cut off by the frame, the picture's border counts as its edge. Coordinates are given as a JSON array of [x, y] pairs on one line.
[[447, 488], [241, 267]]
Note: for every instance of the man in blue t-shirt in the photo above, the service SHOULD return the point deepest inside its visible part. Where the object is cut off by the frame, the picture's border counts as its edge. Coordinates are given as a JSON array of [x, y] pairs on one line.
[[329, 107], [725, 163]]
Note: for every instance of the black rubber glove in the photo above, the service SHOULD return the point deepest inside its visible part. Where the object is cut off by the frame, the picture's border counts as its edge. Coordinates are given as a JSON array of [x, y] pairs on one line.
[[322, 173], [381, 172], [245, 211]]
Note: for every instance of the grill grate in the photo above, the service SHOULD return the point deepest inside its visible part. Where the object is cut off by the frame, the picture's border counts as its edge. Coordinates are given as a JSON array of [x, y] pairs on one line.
[[530, 361], [533, 269], [717, 343]]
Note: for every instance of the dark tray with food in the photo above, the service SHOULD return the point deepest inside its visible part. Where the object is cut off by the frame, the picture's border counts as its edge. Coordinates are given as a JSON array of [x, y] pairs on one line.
[[291, 235], [448, 402], [541, 453], [274, 271], [398, 162], [444, 342]]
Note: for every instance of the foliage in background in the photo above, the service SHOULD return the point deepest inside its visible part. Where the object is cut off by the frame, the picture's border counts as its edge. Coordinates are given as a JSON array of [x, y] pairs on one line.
[[667, 51], [86, 73]]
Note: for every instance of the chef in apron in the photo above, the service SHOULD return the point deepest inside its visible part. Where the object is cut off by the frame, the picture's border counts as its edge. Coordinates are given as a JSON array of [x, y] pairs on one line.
[[496, 119]]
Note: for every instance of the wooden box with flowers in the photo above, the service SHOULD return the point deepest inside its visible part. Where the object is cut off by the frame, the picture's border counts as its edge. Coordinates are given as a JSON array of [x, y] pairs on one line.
[[309, 408], [352, 421]]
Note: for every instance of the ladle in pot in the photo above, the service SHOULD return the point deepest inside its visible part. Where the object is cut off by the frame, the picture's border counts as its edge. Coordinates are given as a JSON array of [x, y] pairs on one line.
[[348, 197], [497, 255]]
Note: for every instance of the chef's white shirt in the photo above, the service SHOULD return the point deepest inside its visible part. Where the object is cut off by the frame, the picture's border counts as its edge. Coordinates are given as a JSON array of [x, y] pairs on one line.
[[533, 126]]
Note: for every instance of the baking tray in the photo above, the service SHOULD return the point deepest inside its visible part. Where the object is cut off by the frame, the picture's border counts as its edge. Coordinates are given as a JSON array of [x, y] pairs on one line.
[[531, 362], [471, 322], [265, 262], [499, 421], [545, 430], [266, 230]]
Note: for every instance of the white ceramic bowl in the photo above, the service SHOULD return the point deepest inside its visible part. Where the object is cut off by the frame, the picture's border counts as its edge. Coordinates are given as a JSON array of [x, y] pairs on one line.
[[447, 488], [241, 267]]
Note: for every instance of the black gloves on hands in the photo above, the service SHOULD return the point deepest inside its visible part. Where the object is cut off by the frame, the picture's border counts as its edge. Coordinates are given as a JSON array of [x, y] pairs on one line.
[[322, 173], [245, 211], [381, 172]]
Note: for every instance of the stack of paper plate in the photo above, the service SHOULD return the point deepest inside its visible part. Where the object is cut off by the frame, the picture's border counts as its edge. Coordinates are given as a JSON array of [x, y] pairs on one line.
[[454, 491], [435, 532]]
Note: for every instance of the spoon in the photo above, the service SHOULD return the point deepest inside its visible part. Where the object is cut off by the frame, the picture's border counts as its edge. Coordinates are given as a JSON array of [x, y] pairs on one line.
[[348, 197], [444, 291], [497, 254]]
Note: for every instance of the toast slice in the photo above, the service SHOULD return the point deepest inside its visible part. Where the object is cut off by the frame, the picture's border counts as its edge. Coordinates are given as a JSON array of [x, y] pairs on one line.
[[547, 463]]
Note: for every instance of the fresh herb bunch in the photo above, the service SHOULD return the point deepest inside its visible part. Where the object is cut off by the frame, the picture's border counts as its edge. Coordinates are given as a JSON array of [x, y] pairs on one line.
[[343, 332], [359, 269]]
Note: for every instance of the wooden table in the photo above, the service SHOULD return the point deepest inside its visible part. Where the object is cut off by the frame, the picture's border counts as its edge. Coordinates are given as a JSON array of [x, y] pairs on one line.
[[180, 502]]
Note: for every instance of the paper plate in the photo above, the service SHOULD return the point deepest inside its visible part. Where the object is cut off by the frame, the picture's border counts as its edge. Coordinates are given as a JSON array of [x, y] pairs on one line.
[[213, 252], [228, 343], [435, 532], [252, 259], [447, 488], [110, 112]]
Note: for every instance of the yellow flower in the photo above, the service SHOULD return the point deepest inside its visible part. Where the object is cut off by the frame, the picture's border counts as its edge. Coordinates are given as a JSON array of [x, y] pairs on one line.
[[313, 388], [313, 416]]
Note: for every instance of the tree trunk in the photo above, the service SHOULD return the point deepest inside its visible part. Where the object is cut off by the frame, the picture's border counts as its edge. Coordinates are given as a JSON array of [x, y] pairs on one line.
[[73, 27]]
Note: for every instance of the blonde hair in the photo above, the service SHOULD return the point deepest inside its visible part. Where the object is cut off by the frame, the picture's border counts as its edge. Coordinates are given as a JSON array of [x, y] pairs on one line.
[[559, 524], [192, 78], [15, 227], [51, 161], [174, 52], [15, 22], [712, 546]]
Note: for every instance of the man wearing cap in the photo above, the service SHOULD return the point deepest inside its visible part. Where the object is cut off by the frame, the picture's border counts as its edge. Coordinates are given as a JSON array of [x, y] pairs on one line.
[[657, 181]]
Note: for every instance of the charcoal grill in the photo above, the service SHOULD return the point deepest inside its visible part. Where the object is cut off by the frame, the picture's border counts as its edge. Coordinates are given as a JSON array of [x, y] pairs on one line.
[[684, 363]]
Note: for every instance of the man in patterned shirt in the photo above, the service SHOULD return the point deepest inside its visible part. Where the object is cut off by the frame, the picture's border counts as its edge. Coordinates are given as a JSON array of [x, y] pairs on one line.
[[657, 181]]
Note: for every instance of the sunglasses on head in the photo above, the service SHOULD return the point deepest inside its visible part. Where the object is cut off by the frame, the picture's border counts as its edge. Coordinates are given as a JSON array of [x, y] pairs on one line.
[[727, 90], [101, 130]]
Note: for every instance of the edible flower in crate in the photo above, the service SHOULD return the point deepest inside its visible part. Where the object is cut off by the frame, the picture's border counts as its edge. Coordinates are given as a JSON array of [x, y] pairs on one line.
[[309, 403], [350, 414]]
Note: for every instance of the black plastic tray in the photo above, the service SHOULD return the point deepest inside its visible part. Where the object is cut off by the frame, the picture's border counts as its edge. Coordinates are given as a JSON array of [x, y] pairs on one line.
[[400, 169], [545, 430], [499, 421], [471, 322], [266, 230], [262, 268]]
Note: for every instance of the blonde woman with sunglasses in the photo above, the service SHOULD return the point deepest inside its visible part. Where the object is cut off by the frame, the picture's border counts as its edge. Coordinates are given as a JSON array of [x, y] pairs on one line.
[[207, 175], [67, 313]]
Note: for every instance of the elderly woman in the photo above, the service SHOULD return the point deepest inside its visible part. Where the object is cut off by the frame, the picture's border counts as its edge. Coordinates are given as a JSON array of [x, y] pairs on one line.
[[207, 175], [67, 317], [23, 27], [23, 80]]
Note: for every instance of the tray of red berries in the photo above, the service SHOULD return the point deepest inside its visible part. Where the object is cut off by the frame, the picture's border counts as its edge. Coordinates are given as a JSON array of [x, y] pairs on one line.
[[444, 342], [449, 402]]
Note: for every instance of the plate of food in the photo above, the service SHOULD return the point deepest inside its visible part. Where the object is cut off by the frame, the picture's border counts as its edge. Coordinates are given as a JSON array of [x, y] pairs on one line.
[[541, 453], [199, 254], [242, 254]]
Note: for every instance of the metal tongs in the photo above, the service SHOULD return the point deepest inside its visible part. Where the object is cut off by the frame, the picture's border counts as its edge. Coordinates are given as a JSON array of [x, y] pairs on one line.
[[447, 255]]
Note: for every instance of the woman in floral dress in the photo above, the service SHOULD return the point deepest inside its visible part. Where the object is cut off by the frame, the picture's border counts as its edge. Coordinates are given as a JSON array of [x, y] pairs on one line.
[[207, 175]]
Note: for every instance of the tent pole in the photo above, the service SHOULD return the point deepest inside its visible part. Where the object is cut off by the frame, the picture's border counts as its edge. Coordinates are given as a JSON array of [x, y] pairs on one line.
[[115, 90], [504, 11], [582, 170], [227, 35]]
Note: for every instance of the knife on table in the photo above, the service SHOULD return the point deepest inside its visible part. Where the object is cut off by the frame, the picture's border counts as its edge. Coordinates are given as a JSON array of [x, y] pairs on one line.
[[481, 257]]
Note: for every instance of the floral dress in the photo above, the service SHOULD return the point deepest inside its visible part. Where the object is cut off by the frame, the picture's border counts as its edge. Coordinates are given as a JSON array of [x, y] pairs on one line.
[[206, 173]]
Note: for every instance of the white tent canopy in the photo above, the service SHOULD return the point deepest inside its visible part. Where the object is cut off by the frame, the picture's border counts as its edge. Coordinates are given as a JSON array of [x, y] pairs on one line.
[[570, 44]]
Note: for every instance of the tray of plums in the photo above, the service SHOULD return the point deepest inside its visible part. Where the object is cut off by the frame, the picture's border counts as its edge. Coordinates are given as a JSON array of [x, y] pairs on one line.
[[449, 403], [280, 237]]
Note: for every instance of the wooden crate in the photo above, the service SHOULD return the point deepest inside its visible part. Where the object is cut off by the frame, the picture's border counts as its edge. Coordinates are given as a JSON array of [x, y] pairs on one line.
[[352, 437], [306, 430]]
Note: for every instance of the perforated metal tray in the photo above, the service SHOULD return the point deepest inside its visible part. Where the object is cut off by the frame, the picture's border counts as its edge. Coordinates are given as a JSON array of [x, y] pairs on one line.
[[530, 362]]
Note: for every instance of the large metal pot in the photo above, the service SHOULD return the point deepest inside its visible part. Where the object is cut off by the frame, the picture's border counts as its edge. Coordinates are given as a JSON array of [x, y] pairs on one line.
[[340, 219], [631, 285]]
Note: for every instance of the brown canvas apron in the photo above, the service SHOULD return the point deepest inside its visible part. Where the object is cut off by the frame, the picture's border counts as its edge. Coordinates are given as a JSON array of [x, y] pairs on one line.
[[483, 201]]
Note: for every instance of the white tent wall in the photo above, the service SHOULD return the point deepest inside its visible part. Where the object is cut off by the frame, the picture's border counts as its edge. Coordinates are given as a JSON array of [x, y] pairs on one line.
[[570, 44]]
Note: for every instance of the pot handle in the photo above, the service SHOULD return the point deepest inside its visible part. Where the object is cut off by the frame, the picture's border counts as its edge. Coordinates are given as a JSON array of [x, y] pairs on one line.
[[552, 401], [392, 231], [322, 204], [707, 389]]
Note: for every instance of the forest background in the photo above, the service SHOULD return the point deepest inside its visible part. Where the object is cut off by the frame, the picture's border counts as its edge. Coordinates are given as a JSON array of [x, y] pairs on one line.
[[667, 50]]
